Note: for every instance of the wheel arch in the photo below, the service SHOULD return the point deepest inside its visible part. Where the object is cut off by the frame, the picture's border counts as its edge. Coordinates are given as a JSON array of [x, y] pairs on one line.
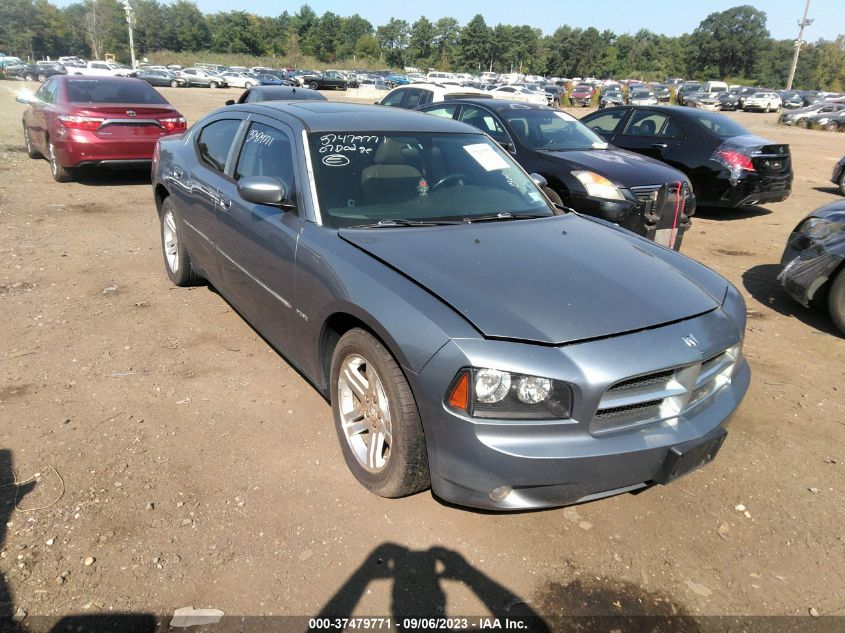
[[161, 194], [334, 327]]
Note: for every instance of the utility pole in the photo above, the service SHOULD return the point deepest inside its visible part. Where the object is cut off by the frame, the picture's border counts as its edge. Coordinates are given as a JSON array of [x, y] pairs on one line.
[[130, 23], [804, 22]]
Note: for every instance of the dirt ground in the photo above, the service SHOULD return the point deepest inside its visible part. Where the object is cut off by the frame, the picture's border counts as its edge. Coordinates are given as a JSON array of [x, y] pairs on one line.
[[198, 468]]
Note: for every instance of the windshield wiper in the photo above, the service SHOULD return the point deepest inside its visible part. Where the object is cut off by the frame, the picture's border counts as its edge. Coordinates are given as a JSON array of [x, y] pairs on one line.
[[503, 215], [403, 222]]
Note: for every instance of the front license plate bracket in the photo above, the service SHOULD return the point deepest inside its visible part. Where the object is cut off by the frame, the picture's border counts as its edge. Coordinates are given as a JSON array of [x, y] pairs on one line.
[[689, 456]]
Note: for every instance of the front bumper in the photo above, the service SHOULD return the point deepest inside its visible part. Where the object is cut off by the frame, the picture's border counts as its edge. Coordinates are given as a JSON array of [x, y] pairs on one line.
[[552, 463], [807, 265]]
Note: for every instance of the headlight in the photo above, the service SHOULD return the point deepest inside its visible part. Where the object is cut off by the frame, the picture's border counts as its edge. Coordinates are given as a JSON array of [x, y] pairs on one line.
[[820, 228], [598, 186], [492, 393]]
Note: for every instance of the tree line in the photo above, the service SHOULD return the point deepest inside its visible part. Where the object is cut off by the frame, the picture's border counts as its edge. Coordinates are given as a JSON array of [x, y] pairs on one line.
[[733, 44]]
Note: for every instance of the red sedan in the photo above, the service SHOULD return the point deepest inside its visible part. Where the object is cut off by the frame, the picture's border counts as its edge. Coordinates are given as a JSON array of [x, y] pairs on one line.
[[76, 121]]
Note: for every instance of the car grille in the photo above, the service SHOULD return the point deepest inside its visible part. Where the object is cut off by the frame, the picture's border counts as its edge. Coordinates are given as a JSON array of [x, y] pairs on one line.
[[663, 395]]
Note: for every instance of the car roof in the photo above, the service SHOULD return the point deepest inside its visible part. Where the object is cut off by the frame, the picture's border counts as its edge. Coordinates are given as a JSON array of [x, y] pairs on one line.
[[493, 104], [333, 116]]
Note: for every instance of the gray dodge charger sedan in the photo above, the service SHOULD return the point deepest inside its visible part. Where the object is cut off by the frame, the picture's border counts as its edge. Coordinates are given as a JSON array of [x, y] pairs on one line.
[[469, 335]]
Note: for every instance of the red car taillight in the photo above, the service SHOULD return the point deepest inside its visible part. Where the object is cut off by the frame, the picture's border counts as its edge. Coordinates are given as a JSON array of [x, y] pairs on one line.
[[89, 123], [735, 160], [174, 124]]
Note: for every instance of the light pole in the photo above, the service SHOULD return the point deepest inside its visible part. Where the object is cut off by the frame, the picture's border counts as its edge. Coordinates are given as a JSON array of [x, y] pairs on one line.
[[130, 22], [804, 22]]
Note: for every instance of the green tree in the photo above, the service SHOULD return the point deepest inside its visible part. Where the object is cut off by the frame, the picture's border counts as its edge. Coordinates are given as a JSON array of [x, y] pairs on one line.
[[353, 29], [185, 27], [421, 41], [728, 42], [393, 38], [474, 45], [447, 32]]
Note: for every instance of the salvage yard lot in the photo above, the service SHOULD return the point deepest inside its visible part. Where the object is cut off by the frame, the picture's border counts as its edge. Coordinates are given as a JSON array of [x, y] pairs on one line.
[[200, 469]]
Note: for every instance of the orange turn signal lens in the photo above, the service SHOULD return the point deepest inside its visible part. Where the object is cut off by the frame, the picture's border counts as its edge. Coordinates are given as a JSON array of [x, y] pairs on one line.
[[459, 398]]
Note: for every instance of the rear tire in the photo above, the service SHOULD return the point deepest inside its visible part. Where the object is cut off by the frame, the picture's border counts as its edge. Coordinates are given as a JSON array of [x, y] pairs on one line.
[[174, 84], [214, 84], [804, 123], [836, 301], [842, 182], [376, 418], [60, 174], [29, 77], [177, 262], [832, 126], [42, 78], [313, 85], [30, 150]]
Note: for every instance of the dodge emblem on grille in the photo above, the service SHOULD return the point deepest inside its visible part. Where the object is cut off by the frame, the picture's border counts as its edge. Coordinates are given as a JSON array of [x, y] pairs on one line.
[[130, 112], [690, 340]]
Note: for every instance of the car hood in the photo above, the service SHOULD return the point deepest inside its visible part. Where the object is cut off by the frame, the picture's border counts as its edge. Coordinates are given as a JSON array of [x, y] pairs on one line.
[[625, 168], [553, 280]]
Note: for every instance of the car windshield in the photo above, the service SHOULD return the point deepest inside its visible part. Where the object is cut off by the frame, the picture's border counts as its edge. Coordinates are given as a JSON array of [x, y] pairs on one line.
[[102, 90], [641, 94], [366, 178], [719, 124], [551, 130]]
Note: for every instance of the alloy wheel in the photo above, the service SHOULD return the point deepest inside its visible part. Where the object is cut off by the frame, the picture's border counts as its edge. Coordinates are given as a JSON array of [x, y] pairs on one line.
[[171, 241], [365, 413]]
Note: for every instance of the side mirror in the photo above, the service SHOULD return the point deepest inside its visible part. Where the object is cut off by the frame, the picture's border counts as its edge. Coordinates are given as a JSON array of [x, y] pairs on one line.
[[508, 147], [230, 102], [25, 98], [264, 190], [539, 180]]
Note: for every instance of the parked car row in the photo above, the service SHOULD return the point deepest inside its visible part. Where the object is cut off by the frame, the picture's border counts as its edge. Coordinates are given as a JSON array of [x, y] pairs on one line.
[[825, 114]]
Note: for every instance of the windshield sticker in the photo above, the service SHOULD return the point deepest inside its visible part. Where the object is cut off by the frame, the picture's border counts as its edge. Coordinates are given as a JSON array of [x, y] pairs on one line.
[[261, 138], [348, 143], [486, 156], [335, 160]]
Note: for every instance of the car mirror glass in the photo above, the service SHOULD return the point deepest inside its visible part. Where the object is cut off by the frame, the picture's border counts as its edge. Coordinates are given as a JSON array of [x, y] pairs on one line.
[[230, 102], [26, 97]]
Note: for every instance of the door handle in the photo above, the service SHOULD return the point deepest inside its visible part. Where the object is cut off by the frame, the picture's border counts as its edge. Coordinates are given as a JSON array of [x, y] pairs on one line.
[[659, 145], [224, 203]]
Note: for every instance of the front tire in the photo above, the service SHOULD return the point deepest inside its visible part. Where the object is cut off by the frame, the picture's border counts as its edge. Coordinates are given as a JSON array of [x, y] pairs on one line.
[[174, 84], [60, 174], [376, 418], [804, 123], [836, 301], [842, 182], [832, 126], [313, 85], [177, 262], [42, 78], [214, 84]]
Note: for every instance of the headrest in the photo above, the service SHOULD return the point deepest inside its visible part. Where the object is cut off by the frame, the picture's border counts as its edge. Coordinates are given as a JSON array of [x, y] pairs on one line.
[[396, 152]]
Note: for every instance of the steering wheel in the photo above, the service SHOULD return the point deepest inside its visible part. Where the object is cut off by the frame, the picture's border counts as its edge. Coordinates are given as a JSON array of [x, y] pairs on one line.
[[458, 179]]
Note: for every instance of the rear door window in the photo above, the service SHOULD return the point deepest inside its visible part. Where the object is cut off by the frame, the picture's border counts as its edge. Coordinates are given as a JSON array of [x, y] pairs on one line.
[[484, 121], [447, 112], [214, 142], [412, 98], [606, 123], [394, 98], [652, 124]]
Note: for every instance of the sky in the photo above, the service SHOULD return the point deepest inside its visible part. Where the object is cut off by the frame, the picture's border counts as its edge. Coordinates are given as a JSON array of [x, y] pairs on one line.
[[670, 17]]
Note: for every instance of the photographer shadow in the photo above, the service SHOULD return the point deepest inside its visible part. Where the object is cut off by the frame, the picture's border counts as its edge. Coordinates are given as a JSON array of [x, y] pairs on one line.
[[417, 587]]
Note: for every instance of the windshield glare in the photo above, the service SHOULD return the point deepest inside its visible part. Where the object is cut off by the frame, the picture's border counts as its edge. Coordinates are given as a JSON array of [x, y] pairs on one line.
[[552, 130], [367, 177]]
